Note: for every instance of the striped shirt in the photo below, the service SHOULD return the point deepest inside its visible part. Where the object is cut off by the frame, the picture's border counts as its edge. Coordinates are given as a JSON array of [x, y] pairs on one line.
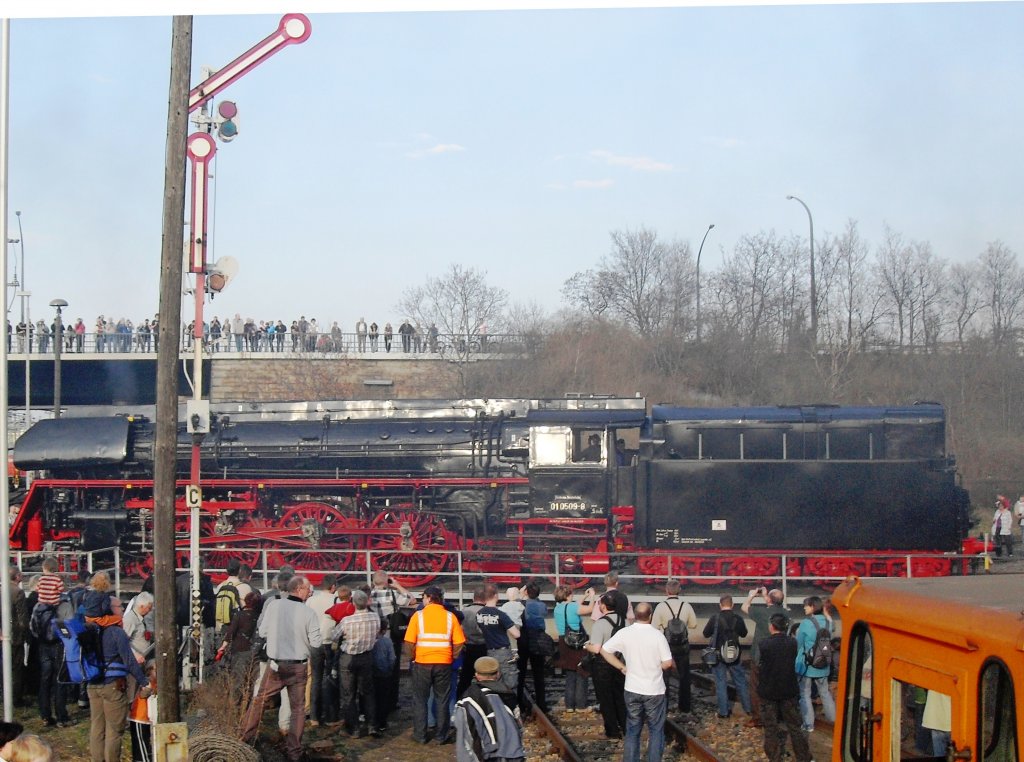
[[49, 588], [359, 632]]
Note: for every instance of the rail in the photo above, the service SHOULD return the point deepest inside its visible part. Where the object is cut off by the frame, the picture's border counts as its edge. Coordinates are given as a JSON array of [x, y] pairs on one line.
[[460, 569], [72, 561], [289, 344]]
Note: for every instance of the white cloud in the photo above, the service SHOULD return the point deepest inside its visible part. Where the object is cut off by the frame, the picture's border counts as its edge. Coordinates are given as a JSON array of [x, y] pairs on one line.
[[638, 163], [436, 150], [593, 184]]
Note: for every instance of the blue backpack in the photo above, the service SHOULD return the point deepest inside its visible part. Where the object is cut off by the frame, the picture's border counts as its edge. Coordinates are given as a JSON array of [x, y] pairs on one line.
[[83, 651]]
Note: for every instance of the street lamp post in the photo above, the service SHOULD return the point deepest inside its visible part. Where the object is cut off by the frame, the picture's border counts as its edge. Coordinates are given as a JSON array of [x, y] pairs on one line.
[[58, 342], [699, 250], [814, 290], [26, 318]]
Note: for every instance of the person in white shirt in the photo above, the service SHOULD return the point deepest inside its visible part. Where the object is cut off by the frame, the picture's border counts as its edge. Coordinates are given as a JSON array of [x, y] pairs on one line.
[[647, 656]]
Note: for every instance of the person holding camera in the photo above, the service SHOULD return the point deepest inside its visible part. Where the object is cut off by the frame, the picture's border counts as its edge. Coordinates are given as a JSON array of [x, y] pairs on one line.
[[387, 597], [760, 616]]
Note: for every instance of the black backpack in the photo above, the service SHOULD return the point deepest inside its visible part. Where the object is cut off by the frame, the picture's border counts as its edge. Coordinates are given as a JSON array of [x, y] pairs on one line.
[[398, 620], [40, 624], [676, 631], [820, 654]]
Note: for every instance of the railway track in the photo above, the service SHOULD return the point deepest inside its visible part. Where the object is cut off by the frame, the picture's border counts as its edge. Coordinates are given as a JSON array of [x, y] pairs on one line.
[[700, 735]]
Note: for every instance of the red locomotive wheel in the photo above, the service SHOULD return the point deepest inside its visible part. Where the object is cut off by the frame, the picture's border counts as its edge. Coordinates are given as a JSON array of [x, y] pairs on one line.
[[311, 528], [400, 551]]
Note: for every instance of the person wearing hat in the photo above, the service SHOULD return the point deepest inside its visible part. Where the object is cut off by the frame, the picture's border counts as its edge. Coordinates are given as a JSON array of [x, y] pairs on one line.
[[486, 725], [432, 642]]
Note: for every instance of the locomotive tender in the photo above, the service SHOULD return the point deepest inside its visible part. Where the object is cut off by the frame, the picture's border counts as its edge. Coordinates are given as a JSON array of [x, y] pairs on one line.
[[596, 482]]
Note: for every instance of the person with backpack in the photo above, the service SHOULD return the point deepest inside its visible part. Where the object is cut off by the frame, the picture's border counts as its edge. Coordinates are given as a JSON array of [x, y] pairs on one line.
[[111, 694], [535, 647], [609, 683], [675, 618], [229, 595], [52, 693], [814, 660], [724, 631], [134, 623]]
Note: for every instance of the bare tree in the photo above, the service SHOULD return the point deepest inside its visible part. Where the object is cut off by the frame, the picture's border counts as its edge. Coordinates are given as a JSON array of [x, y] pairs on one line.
[[636, 282], [462, 307], [1003, 282], [964, 299], [750, 288]]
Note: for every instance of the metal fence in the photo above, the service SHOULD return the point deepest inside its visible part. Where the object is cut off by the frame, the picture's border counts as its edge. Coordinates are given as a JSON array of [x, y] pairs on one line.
[[460, 570], [70, 562], [280, 344]]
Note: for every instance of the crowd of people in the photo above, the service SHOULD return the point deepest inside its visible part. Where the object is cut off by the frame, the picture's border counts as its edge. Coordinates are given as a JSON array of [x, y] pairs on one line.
[[1003, 521], [230, 334], [333, 652]]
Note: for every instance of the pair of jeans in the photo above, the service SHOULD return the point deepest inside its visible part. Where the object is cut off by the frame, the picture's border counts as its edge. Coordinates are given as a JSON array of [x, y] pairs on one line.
[[738, 672], [641, 709], [781, 717], [355, 671], [427, 680], [536, 664], [52, 693], [575, 689], [828, 705]]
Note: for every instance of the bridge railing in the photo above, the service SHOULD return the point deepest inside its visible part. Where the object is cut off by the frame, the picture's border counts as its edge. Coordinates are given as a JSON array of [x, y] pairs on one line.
[[321, 344]]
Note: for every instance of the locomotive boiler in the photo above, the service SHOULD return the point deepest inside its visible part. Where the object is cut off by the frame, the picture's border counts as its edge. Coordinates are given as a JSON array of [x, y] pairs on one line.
[[521, 487]]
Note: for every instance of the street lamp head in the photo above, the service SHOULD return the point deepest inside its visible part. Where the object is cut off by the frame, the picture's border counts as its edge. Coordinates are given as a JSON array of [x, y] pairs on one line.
[[789, 198], [58, 303], [711, 226]]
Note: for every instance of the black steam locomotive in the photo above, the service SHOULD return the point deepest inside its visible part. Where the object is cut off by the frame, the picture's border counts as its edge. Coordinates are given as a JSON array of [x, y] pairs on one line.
[[571, 486]]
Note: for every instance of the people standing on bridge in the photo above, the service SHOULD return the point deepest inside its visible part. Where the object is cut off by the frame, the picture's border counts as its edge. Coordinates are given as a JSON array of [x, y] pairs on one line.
[[816, 618], [432, 642], [1002, 527], [647, 656], [389, 334], [291, 630], [779, 692], [361, 334], [374, 333], [722, 627], [668, 611], [760, 616]]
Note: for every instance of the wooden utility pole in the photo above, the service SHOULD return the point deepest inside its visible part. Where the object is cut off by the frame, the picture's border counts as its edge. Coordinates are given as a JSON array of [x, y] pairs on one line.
[[164, 475]]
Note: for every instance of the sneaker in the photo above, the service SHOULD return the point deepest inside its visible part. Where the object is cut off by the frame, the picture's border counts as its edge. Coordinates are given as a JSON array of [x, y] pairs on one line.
[[49, 722], [312, 723]]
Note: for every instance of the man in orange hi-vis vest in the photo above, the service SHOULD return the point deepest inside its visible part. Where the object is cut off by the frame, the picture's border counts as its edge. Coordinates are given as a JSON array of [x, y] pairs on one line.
[[433, 640]]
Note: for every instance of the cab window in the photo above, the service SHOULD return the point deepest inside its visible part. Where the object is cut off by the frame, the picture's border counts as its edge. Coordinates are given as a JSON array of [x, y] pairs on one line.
[[857, 726], [997, 724]]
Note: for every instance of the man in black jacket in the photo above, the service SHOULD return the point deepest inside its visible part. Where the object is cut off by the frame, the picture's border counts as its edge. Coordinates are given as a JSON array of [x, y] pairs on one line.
[[780, 693], [728, 627]]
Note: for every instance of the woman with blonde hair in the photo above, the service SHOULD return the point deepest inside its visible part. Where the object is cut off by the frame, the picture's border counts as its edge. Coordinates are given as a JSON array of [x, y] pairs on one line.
[[30, 748]]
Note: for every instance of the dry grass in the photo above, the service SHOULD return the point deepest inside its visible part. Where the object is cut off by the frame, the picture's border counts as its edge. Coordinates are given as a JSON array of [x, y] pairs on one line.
[[220, 704]]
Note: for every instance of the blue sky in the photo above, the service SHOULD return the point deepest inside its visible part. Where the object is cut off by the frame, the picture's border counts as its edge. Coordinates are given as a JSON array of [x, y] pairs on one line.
[[390, 145]]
